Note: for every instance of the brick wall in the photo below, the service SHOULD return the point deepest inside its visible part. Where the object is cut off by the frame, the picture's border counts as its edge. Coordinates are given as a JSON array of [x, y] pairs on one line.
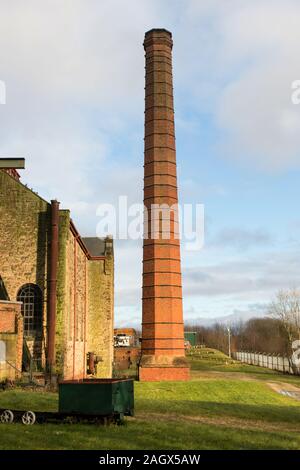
[[71, 303], [11, 333], [101, 313], [7, 319], [125, 331], [84, 308], [75, 309], [123, 357], [131, 332]]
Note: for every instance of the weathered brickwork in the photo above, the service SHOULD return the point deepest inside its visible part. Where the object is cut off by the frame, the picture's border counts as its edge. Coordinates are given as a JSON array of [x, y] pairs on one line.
[[125, 358], [84, 310], [157, 374], [75, 307], [7, 318], [62, 314], [101, 306], [85, 294], [163, 355], [11, 333]]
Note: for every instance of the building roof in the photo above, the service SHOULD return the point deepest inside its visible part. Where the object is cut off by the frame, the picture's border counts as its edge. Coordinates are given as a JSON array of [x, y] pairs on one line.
[[95, 245]]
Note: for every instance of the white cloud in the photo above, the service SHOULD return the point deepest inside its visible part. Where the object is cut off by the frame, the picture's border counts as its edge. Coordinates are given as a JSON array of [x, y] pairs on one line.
[[241, 238], [260, 42], [236, 61], [74, 75], [248, 278], [72, 49]]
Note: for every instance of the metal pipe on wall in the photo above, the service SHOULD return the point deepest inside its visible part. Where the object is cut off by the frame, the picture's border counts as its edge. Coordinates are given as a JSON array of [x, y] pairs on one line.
[[52, 284], [75, 304]]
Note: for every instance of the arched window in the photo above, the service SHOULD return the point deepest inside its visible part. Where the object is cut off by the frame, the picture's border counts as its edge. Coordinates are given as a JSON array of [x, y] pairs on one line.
[[32, 308]]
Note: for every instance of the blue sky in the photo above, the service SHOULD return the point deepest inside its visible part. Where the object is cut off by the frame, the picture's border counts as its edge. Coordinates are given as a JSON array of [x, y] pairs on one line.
[[74, 74]]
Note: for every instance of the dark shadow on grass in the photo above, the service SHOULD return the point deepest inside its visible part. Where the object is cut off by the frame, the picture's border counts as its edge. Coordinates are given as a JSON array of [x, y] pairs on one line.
[[144, 434], [270, 413]]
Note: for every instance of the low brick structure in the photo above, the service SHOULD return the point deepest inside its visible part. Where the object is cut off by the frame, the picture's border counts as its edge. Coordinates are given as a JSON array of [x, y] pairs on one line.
[[130, 332], [124, 358], [156, 374], [11, 339]]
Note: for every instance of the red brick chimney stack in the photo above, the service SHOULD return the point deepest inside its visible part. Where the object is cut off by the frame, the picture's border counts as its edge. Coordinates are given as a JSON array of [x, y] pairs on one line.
[[163, 355]]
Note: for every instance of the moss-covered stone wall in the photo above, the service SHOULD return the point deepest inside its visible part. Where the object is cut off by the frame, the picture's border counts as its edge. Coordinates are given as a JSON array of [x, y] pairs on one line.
[[24, 234], [84, 317]]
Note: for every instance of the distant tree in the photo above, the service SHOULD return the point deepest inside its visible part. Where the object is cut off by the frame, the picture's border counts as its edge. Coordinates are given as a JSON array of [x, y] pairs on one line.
[[262, 335], [256, 335], [286, 308]]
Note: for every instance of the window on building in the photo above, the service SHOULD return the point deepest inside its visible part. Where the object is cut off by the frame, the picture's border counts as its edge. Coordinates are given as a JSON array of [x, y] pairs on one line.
[[32, 308]]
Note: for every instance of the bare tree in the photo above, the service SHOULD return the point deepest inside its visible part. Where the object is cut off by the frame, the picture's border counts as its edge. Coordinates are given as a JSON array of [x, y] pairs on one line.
[[286, 308]]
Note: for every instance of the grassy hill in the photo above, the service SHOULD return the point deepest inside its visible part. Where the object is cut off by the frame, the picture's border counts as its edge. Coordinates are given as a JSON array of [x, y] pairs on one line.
[[226, 405]]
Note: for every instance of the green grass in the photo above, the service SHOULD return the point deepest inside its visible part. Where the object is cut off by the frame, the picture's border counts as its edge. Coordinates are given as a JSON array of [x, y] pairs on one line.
[[221, 398], [143, 435], [216, 410], [211, 360]]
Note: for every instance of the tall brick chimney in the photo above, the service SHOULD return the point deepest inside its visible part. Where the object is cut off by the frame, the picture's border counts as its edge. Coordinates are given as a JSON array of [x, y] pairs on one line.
[[163, 355]]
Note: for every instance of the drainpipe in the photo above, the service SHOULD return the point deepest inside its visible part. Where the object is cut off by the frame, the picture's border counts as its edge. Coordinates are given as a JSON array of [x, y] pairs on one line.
[[52, 284]]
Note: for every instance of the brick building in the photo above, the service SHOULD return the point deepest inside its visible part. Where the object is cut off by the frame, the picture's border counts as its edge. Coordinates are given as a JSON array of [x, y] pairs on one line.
[[129, 333], [65, 282], [126, 353], [11, 339]]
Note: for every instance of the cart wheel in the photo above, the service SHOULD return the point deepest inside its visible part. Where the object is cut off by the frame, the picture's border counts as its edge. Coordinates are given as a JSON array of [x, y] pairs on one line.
[[7, 416], [119, 419], [28, 418]]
